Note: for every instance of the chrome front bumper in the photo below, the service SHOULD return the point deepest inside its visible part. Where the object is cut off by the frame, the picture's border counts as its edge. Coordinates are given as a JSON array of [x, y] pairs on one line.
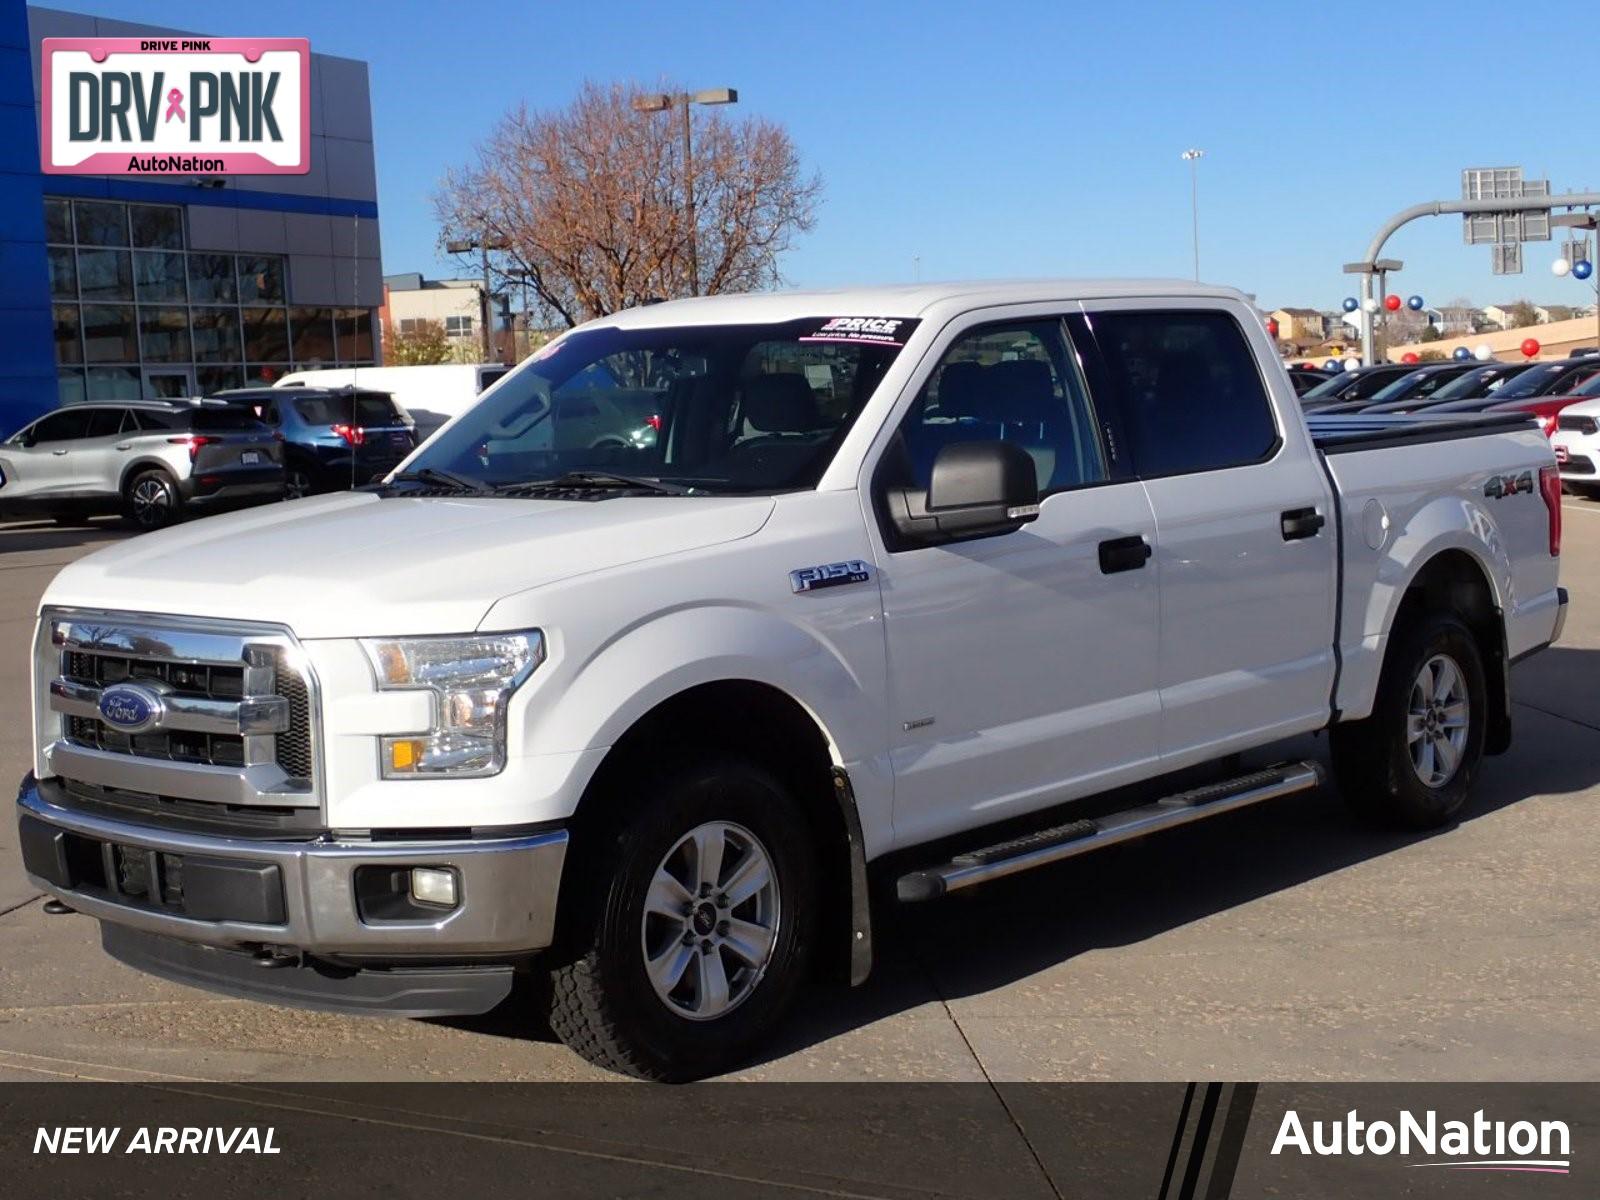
[[507, 886]]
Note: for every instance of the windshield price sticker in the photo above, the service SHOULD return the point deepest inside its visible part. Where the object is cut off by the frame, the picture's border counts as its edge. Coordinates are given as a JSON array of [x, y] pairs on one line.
[[176, 106], [874, 331]]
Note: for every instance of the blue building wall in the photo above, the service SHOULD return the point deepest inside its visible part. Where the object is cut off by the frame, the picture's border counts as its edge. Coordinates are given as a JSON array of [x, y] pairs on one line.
[[27, 352]]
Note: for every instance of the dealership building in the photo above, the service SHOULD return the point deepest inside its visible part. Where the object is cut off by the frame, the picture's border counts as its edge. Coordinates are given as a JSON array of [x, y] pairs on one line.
[[121, 287]]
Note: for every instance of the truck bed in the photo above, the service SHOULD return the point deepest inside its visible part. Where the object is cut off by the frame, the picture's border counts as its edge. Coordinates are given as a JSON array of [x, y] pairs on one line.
[[1337, 434]]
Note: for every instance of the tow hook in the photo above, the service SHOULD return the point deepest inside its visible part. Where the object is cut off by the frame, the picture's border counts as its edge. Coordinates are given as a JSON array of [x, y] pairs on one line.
[[54, 908], [268, 958]]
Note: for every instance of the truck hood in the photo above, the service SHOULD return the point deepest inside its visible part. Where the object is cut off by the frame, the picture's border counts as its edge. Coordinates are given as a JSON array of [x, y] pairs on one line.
[[358, 564]]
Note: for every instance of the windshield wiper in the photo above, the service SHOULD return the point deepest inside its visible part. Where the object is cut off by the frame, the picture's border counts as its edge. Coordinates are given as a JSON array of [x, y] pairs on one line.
[[435, 477], [605, 479]]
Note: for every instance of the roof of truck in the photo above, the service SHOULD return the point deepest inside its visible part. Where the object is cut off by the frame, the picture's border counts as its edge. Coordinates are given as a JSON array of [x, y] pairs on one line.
[[899, 300]]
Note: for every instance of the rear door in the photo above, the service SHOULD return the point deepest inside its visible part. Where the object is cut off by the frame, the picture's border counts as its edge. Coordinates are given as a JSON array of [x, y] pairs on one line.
[[96, 458], [1245, 550]]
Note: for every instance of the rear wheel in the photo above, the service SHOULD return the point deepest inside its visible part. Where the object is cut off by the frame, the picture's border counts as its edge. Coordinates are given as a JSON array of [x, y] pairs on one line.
[[150, 500], [296, 483], [686, 950], [1413, 761]]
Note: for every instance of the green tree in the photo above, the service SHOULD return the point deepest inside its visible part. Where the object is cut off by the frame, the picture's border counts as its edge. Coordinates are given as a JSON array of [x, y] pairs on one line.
[[424, 345]]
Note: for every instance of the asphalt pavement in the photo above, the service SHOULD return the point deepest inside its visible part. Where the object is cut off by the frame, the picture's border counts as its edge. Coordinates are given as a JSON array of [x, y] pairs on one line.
[[1282, 942]]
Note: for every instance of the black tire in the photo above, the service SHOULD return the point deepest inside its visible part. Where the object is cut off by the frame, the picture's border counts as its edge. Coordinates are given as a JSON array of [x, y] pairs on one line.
[[150, 500], [297, 482], [603, 1004], [1373, 758], [1588, 491]]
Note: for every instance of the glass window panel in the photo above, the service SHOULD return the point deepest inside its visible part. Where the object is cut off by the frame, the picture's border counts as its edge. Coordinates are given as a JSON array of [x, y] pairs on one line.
[[159, 275], [70, 386], [216, 334], [69, 345], [354, 326], [104, 422], [101, 223], [114, 383], [164, 335], [211, 279], [261, 278], [265, 374], [105, 275], [218, 379], [266, 335], [312, 330], [58, 223], [158, 226], [108, 334], [63, 273], [62, 426]]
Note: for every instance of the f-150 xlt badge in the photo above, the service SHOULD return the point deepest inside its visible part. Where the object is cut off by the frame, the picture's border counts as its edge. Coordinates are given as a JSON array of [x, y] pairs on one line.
[[1500, 486], [809, 579]]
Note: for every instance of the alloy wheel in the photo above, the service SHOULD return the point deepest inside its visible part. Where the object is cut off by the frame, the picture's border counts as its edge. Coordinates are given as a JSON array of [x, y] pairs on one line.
[[1437, 721]]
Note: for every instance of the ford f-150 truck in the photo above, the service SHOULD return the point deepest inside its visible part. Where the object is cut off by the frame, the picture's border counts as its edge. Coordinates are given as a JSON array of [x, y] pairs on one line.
[[881, 593]]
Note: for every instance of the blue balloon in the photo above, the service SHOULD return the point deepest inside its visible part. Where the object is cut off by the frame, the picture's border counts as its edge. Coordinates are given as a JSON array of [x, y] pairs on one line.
[[1351, 304], [1461, 352], [1583, 268], [1331, 365], [1414, 304]]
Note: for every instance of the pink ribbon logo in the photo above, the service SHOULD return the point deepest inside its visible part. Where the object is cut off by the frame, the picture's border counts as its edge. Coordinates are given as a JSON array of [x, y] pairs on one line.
[[175, 106]]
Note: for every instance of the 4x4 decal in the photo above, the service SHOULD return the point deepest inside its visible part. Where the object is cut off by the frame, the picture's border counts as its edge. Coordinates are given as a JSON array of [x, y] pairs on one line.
[[1500, 486]]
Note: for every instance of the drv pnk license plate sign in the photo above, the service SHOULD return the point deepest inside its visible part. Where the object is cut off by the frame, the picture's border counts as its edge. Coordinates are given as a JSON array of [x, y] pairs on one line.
[[176, 106]]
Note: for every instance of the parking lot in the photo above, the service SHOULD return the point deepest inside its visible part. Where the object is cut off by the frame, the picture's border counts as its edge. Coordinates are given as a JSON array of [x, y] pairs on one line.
[[1283, 942]]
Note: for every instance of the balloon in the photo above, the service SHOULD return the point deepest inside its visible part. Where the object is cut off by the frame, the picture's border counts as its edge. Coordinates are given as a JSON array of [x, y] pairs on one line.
[[1272, 327], [1415, 304], [1461, 354], [1482, 353], [1369, 305], [1351, 304], [1582, 269], [1392, 302], [1331, 365], [1560, 267], [1530, 347], [1410, 356], [1350, 364]]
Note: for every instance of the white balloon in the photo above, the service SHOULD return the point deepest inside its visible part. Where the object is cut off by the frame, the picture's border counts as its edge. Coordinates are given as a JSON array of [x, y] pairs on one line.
[[1560, 267], [1482, 353], [1350, 364], [1370, 305]]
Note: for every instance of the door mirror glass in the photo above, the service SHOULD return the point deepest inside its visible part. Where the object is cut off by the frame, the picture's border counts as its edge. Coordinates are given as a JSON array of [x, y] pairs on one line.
[[976, 489]]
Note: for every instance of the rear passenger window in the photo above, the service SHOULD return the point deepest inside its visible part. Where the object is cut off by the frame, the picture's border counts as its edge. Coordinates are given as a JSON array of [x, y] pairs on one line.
[[104, 422], [1189, 388], [1007, 383]]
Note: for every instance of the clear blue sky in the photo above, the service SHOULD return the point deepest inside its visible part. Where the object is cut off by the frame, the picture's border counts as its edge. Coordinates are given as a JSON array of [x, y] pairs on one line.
[[1025, 138]]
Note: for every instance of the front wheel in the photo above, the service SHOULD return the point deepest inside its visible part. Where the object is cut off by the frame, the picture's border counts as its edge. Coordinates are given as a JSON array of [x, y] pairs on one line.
[[151, 500], [690, 942], [1413, 761]]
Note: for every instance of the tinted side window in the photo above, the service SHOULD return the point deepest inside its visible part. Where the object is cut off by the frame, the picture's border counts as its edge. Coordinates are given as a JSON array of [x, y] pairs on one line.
[[104, 422], [62, 426], [1012, 383], [1190, 390]]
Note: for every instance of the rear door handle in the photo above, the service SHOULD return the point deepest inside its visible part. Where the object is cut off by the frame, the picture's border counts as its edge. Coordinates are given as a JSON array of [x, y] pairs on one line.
[[58, 453], [1124, 554], [1299, 523], [124, 445]]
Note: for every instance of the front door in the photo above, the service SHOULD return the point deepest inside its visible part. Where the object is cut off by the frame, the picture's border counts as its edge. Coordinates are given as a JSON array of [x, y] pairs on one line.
[[168, 383], [1022, 667]]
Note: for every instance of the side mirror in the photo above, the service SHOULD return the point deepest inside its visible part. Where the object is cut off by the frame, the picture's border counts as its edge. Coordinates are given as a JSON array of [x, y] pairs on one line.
[[977, 489], [26, 440]]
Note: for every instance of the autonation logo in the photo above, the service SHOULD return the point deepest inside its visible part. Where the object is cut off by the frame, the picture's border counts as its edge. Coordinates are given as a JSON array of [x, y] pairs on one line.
[[1476, 1145]]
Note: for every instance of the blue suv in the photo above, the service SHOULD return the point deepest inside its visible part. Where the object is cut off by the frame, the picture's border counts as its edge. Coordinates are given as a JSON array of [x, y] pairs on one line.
[[333, 438]]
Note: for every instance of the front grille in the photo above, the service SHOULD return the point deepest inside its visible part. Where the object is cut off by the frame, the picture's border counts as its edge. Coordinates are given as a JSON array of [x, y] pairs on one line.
[[1577, 464], [210, 749], [190, 816], [1578, 424], [294, 747]]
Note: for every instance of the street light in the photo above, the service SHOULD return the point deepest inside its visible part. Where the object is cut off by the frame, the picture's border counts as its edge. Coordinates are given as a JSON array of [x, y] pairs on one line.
[[661, 102], [1193, 157], [1562, 267], [484, 244]]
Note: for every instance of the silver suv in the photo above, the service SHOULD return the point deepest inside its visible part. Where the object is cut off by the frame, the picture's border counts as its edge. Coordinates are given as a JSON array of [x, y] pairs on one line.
[[152, 460]]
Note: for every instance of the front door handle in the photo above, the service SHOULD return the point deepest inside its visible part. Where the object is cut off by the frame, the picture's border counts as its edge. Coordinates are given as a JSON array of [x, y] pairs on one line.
[[1124, 554], [58, 453], [1299, 523], [124, 445]]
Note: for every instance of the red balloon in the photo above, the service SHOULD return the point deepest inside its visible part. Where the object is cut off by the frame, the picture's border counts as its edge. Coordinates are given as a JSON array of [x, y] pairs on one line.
[[1530, 346], [1410, 356], [1392, 303], [1272, 328]]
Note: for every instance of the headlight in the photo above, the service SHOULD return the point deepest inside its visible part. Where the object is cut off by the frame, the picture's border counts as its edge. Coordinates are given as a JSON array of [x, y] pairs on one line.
[[472, 679]]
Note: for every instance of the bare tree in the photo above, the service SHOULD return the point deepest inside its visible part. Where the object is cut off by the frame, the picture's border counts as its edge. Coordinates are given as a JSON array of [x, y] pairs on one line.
[[586, 205]]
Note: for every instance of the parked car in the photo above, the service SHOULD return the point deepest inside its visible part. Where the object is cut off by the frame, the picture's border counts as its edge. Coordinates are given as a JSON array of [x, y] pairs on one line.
[[1304, 379], [1543, 409], [430, 394], [1420, 382], [1476, 383], [154, 461], [333, 438], [1577, 446], [1560, 377], [1360, 384], [909, 580]]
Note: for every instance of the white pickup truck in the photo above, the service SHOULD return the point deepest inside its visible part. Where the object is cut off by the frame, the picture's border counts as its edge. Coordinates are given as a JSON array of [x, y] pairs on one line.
[[865, 587]]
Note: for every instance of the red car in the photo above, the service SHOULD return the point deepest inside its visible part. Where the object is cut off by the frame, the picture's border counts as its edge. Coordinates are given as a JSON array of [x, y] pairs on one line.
[[1545, 409]]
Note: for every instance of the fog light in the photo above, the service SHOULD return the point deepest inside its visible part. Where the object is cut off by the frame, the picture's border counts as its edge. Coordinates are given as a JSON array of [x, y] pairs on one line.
[[434, 885]]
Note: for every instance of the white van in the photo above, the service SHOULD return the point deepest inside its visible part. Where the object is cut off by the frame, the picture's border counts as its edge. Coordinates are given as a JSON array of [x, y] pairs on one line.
[[432, 394]]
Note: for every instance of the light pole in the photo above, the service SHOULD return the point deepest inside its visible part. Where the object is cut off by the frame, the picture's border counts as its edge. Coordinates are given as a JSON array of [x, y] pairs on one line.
[[483, 244], [1193, 157], [1583, 268], [661, 102]]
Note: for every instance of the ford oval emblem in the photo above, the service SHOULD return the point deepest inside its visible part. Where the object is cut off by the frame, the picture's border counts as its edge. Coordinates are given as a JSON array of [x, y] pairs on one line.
[[130, 707]]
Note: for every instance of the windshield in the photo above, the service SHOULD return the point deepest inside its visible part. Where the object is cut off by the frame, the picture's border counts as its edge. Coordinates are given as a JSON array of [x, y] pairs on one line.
[[714, 408], [1532, 381], [1473, 383], [366, 409], [1328, 387]]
